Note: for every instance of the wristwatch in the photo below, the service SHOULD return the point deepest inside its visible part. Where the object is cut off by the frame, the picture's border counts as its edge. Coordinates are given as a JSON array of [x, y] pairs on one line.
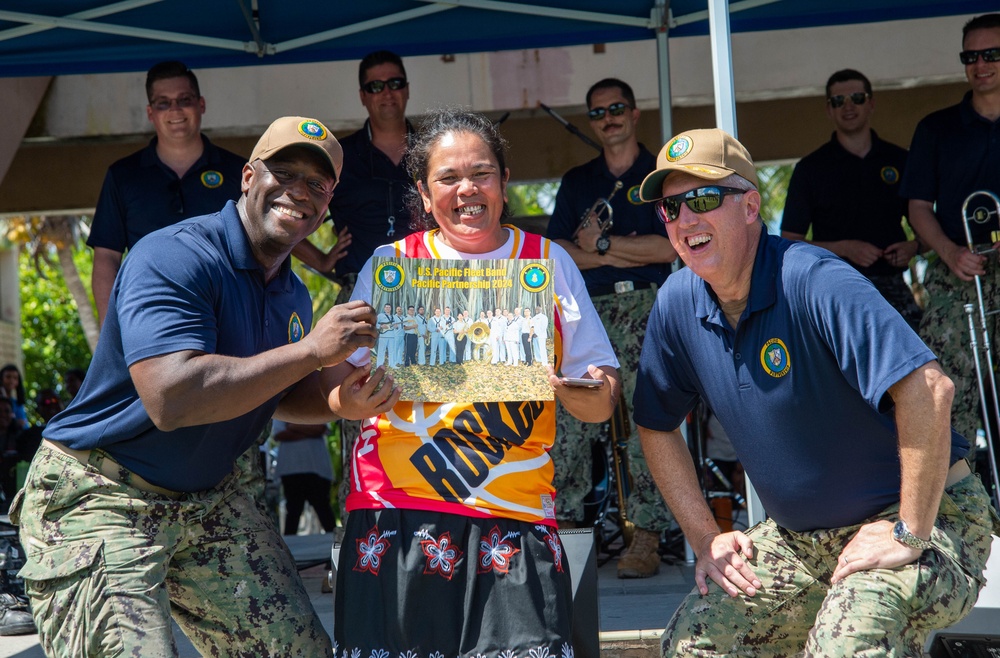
[[903, 535], [603, 244]]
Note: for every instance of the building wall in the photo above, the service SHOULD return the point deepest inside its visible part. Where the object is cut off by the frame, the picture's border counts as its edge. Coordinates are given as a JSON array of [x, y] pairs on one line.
[[88, 121]]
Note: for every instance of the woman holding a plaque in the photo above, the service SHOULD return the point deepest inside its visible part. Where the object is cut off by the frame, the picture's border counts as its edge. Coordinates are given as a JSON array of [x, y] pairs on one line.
[[451, 545]]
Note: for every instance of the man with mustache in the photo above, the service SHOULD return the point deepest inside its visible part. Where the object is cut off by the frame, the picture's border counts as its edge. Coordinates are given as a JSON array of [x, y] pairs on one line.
[[622, 264]]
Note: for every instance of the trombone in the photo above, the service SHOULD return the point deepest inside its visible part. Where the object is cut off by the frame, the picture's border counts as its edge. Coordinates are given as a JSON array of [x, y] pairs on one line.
[[600, 212], [980, 340]]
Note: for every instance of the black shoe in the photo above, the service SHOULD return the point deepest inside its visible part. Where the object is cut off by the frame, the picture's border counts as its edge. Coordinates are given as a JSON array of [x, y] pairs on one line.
[[15, 619]]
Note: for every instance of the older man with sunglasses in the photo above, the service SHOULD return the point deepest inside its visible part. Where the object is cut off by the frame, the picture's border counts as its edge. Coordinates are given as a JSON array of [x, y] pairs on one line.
[[954, 153], [838, 413], [847, 191], [623, 260]]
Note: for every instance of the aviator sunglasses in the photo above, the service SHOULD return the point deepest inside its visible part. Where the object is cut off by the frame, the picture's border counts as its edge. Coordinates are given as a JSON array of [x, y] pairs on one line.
[[969, 57], [164, 104], [376, 86], [615, 110], [858, 98], [700, 200]]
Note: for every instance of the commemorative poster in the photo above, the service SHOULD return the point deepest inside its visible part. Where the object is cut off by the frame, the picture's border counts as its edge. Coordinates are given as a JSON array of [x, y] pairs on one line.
[[468, 330]]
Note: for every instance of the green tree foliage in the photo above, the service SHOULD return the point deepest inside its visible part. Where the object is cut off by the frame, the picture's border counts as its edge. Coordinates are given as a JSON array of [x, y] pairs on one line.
[[52, 337], [773, 181]]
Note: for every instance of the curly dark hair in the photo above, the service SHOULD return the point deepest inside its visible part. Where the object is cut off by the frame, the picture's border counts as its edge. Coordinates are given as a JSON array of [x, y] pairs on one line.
[[437, 124]]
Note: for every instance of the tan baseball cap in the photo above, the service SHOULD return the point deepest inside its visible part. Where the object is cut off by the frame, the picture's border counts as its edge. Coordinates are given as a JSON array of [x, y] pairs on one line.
[[710, 153], [300, 131]]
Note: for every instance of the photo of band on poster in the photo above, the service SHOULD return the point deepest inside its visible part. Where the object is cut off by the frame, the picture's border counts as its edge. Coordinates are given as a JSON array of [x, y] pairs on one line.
[[469, 330]]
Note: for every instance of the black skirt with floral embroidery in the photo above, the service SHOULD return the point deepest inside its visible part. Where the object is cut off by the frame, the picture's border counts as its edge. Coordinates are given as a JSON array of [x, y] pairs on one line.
[[418, 584]]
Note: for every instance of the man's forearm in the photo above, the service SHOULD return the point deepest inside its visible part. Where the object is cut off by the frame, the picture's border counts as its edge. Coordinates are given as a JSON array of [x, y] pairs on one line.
[[670, 464], [928, 229], [643, 249], [106, 266], [923, 423]]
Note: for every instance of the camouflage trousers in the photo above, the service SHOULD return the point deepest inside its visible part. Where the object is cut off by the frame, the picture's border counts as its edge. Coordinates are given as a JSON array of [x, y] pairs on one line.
[[879, 612], [109, 563], [945, 330], [899, 295], [624, 317]]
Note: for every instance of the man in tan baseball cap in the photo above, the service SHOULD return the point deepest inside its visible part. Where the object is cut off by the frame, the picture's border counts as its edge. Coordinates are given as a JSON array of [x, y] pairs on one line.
[[708, 153], [826, 393], [209, 334], [301, 131]]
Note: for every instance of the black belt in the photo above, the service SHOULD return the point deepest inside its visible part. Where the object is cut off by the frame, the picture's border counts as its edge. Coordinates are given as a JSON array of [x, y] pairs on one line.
[[619, 288]]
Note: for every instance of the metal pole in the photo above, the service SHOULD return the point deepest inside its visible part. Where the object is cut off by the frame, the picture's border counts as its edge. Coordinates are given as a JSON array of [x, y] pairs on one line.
[[661, 17]]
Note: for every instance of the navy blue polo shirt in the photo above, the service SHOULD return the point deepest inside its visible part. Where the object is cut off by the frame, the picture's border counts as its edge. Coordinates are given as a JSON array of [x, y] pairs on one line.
[[583, 185], [800, 386], [844, 197], [191, 286], [141, 194], [372, 188], [955, 152]]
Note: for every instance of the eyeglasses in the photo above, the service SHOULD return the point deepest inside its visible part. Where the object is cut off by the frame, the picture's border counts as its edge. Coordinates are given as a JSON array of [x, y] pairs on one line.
[[615, 110], [164, 104], [376, 86], [858, 98], [970, 56], [700, 200]]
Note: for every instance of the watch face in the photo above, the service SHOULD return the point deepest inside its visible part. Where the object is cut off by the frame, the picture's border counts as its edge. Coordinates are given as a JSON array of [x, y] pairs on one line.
[[603, 244]]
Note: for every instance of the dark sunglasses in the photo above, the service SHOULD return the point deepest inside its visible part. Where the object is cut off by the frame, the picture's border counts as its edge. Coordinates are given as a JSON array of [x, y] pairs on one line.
[[164, 104], [702, 199], [858, 98], [615, 110], [970, 56], [376, 86]]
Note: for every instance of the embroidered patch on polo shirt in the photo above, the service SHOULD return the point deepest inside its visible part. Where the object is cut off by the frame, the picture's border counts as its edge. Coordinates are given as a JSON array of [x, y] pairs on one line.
[[774, 358]]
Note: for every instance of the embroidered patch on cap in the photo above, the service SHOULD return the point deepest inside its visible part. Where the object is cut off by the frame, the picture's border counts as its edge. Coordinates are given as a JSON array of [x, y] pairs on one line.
[[678, 148], [211, 179], [312, 130], [774, 358]]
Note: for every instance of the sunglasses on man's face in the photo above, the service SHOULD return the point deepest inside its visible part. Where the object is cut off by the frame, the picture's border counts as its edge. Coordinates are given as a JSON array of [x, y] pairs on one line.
[[615, 110], [700, 200], [164, 104], [969, 57], [376, 86], [858, 98]]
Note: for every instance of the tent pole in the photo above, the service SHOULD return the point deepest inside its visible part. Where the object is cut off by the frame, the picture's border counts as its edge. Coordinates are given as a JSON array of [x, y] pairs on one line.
[[661, 18]]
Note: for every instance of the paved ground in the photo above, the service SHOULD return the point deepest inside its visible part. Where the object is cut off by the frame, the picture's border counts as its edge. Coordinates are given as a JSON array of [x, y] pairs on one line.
[[629, 609]]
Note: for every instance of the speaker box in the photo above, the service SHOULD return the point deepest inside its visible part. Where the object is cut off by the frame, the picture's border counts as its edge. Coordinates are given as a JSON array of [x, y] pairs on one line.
[[978, 634], [581, 556]]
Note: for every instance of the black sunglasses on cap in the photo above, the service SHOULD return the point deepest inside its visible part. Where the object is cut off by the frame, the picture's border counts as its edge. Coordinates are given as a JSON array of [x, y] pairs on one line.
[[858, 98], [376, 86], [700, 200], [970, 56], [615, 110]]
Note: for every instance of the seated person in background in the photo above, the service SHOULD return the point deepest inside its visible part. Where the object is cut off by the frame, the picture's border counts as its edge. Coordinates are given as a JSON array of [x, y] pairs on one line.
[[9, 433], [878, 533], [13, 389], [306, 472]]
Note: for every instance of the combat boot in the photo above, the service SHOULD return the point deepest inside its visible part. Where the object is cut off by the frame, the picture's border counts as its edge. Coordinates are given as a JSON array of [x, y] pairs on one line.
[[14, 616], [641, 559]]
